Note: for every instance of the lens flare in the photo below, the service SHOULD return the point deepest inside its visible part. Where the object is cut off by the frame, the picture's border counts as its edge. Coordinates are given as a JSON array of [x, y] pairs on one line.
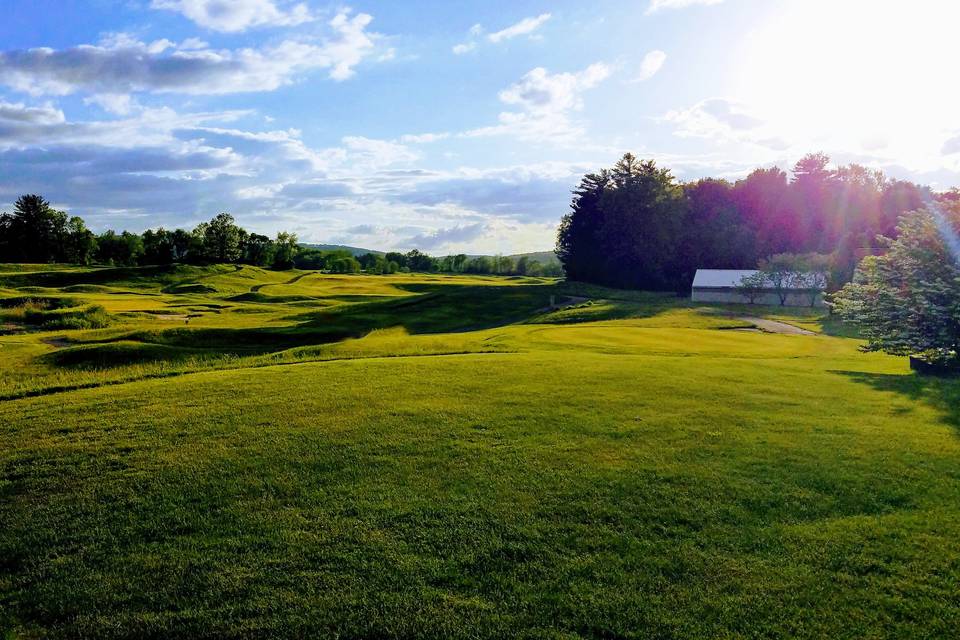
[[949, 234]]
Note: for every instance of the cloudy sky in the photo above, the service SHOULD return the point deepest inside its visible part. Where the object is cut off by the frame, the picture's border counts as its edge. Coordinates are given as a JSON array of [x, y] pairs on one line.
[[450, 126]]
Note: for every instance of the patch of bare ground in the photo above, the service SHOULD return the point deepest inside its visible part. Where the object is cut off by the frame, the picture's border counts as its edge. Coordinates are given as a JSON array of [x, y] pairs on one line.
[[775, 326]]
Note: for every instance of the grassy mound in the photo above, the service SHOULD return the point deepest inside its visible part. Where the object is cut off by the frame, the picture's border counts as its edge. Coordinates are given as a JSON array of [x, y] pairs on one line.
[[118, 354], [53, 313], [87, 288], [193, 287], [257, 297]]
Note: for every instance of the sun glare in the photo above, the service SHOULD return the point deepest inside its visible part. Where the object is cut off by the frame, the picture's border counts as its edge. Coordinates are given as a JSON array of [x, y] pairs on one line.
[[856, 75]]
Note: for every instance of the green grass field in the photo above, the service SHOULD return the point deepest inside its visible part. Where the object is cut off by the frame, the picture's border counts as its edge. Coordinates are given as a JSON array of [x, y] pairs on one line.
[[234, 452]]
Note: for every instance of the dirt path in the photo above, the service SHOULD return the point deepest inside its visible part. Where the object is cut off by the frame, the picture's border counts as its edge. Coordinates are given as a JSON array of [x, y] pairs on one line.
[[774, 326]]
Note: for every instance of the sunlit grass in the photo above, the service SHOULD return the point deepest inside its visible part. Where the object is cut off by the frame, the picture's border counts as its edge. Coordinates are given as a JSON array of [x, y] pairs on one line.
[[431, 456]]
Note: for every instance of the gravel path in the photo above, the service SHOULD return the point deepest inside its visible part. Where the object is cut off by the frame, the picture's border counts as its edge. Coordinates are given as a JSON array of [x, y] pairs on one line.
[[774, 326]]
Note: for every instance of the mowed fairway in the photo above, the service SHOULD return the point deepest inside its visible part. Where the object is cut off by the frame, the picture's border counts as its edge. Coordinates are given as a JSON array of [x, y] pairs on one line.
[[421, 456]]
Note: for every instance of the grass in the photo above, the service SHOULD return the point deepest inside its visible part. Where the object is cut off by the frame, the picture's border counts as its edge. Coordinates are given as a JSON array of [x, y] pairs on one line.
[[428, 456]]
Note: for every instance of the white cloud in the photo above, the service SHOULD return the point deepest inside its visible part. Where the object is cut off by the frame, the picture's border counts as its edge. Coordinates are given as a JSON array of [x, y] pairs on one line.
[[546, 101], [236, 15], [724, 120], [123, 65], [176, 169], [446, 237], [658, 5], [527, 26], [650, 65], [423, 138], [711, 118], [524, 27], [951, 146], [13, 114], [353, 44], [539, 90], [373, 154], [120, 104]]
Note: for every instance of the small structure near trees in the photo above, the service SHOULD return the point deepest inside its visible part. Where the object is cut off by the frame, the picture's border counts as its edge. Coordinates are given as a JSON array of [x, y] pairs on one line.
[[755, 286], [785, 279]]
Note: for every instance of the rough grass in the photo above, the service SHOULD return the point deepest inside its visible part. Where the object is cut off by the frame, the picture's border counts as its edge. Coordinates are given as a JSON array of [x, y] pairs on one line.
[[464, 465]]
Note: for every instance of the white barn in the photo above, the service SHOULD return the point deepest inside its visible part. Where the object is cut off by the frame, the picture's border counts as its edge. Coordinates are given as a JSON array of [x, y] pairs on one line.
[[720, 285]]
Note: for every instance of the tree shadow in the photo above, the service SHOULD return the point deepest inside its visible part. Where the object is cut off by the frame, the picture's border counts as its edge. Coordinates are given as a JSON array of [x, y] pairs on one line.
[[443, 309], [453, 309], [941, 393]]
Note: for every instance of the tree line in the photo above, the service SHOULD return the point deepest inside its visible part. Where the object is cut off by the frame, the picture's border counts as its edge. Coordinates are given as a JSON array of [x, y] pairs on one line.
[[35, 232], [635, 226], [342, 261]]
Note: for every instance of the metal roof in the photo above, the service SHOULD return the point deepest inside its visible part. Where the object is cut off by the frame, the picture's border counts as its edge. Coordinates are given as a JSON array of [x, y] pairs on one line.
[[719, 278]]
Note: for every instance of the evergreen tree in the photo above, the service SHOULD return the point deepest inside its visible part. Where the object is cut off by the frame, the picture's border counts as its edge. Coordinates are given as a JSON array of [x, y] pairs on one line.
[[907, 301]]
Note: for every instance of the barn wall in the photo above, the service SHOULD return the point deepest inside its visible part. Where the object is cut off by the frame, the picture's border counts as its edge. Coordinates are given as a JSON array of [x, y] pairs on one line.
[[726, 295]]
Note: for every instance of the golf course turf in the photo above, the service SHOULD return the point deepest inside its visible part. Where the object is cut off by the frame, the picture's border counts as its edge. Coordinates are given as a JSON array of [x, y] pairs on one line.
[[235, 452]]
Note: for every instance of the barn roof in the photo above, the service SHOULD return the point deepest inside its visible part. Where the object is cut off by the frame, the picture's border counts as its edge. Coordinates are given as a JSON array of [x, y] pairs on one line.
[[722, 278]]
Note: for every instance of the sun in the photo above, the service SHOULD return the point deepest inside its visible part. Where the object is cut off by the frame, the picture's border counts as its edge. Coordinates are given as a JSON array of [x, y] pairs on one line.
[[873, 78]]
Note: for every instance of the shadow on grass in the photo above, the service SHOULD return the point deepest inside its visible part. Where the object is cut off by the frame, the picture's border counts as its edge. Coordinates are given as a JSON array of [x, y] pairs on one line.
[[454, 309], [941, 393], [128, 277], [443, 309], [828, 324]]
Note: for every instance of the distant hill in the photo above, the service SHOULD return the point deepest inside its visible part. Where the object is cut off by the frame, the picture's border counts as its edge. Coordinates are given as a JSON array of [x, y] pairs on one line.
[[356, 251], [543, 257]]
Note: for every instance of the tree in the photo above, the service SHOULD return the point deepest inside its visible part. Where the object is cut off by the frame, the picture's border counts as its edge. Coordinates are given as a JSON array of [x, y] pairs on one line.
[[379, 266], [34, 232], [184, 244], [752, 286], [81, 243], [779, 271], [158, 247], [418, 261], [480, 264], [625, 227], [714, 234], [285, 250], [811, 276], [907, 302], [813, 191], [347, 264], [124, 249], [762, 201], [523, 265], [259, 250], [396, 256], [367, 260], [578, 244], [221, 239]]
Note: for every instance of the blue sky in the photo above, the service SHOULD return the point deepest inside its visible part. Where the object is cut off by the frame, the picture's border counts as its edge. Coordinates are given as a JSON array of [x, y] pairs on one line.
[[450, 126]]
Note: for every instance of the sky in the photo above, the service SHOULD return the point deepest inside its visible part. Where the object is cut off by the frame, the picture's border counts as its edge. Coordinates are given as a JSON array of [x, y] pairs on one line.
[[451, 126]]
